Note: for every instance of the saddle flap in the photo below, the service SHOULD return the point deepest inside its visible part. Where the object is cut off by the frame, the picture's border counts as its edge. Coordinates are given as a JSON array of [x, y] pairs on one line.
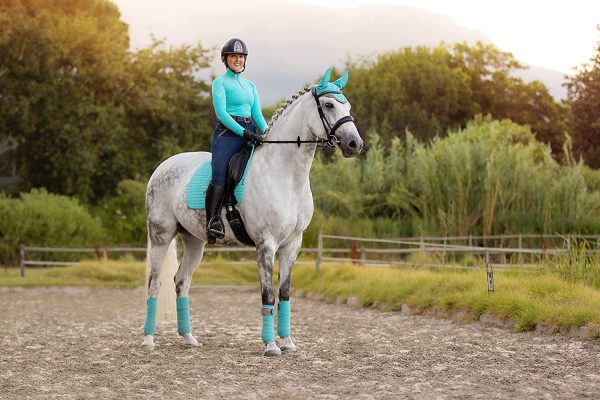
[[235, 172]]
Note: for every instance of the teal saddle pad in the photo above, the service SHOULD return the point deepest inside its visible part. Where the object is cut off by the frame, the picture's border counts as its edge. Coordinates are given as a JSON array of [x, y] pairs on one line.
[[196, 190]]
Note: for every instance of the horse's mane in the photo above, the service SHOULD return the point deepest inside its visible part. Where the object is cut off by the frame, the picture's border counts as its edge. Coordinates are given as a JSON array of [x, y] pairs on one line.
[[283, 106]]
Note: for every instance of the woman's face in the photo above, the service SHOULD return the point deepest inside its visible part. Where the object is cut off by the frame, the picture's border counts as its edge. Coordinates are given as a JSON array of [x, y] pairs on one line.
[[236, 62]]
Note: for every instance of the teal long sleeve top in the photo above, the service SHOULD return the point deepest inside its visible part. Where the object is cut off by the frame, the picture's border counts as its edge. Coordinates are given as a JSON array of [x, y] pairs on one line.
[[234, 95]]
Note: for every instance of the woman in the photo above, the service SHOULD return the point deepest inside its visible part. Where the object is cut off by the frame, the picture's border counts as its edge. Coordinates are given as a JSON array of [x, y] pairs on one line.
[[237, 107]]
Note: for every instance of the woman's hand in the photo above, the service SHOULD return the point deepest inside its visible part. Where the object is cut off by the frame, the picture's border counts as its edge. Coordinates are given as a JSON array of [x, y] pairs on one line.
[[252, 137]]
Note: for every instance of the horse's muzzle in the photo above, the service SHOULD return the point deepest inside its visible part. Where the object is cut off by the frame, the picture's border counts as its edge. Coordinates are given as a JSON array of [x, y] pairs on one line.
[[351, 144]]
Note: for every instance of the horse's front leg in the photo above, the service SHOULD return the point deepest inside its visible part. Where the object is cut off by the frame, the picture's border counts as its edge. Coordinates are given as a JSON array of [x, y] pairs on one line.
[[265, 254], [287, 257]]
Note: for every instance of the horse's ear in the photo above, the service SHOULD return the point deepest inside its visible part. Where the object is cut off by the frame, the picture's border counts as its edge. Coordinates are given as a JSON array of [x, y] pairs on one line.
[[342, 81], [325, 80]]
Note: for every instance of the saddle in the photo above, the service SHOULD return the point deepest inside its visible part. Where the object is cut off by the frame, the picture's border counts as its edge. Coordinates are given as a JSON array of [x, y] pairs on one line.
[[235, 173]]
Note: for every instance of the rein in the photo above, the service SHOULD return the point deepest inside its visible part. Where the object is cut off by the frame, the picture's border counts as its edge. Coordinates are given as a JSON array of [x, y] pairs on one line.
[[329, 130]]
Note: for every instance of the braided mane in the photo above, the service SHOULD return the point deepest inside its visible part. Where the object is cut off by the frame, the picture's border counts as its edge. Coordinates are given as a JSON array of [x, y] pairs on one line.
[[283, 106]]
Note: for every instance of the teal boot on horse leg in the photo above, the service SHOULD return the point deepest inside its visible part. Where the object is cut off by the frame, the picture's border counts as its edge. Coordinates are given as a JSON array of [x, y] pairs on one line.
[[266, 259], [287, 256], [193, 250], [161, 255]]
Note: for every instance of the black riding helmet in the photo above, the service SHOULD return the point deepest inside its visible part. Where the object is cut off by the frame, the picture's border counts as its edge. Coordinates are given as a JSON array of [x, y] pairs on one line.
[[234, 46]]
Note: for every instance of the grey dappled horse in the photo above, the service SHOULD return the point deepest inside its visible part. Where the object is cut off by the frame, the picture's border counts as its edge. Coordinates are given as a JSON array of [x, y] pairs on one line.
[[276, 209]]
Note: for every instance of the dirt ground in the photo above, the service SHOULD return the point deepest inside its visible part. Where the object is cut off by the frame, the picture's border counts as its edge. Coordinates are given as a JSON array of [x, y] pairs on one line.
[[85, 343]]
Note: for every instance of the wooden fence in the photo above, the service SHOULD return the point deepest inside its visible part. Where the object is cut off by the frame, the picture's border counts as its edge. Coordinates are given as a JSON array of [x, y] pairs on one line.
[[347, 250]]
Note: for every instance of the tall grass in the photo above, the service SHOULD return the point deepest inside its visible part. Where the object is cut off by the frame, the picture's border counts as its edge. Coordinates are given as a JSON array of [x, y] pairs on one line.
[[580, 264], [527, 299], [491, 177]]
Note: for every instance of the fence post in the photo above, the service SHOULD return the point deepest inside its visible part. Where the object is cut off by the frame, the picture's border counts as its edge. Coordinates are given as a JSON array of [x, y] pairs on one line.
[[319, 252], [489, 272], [520, 257], [569, 248], [503, 257], [470, 240], [22, 259], [444, 251]]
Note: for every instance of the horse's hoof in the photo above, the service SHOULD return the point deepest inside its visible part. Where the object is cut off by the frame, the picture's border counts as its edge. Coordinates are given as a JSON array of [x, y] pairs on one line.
[[272, 350], [189, 340], [148, 342], [287, 344]]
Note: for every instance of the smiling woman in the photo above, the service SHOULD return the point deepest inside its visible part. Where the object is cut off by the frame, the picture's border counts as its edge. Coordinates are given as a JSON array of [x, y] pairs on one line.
[[238, 110]]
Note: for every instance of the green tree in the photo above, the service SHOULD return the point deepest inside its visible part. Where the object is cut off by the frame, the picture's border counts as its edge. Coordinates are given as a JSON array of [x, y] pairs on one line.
[[413, 89], [167, 110], [430, 91], [61, 63], [497, 92], [85, 111], [584, 99]]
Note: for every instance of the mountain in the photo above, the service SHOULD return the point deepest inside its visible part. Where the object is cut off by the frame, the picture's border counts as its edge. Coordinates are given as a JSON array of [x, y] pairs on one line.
[[291, 44]]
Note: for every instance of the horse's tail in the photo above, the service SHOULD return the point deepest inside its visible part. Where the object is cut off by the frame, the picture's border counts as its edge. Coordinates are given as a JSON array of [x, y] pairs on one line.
[[166, 308]]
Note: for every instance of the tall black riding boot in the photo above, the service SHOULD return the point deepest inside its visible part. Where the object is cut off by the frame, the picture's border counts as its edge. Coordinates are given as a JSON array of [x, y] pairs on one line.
[[214, 224]]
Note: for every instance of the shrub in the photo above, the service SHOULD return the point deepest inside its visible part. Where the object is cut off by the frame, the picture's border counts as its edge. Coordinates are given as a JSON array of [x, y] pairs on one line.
[[123, 215], [43, 219]]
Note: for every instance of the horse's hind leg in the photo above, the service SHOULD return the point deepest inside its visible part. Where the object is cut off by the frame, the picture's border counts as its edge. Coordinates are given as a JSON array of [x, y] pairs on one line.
[[287, 257], [193, 249], [158, 245]]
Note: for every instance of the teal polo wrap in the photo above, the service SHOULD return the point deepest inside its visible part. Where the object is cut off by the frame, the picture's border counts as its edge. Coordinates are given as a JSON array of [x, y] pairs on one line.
[[150, 325], [268, 328], [283, 319], [183, 315]]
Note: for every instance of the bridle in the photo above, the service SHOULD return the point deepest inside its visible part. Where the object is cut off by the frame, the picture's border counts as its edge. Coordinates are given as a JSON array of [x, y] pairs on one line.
[[329, 130]]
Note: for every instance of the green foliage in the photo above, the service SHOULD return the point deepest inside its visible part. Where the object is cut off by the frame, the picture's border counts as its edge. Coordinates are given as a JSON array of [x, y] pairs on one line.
[[169, 110], [584, 99], [579, 264], [123, 215], [429, 91], [492, 177], [61, 65], [125, 274], [43, 219], [87, 112], [527, 299]]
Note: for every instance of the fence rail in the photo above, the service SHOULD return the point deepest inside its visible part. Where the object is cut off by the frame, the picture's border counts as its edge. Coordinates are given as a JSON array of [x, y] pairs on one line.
[[431, 245], [358, 255]]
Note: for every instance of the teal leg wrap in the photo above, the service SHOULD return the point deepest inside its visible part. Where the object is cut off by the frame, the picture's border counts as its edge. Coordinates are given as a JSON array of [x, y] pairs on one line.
[[268, 328], [283, 319], [183, 315], [150, 325]]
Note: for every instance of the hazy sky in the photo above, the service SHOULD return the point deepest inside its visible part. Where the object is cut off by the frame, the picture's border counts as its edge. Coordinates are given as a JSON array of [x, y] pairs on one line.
[[558, 35]]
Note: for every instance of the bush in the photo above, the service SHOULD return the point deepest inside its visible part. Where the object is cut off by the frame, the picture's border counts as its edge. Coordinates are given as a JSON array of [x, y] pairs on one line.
[[123, 215], [491, 177], [43, 219]]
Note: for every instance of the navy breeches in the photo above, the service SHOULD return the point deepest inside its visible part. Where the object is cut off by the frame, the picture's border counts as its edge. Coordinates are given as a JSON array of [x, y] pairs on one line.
[[224, 145]]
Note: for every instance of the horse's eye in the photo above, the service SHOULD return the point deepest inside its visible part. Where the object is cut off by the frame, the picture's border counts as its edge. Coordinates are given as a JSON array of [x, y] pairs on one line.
[[329, 105]]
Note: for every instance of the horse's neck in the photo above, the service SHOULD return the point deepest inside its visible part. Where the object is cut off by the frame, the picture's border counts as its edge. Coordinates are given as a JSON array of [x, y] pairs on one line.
[[287, 161]]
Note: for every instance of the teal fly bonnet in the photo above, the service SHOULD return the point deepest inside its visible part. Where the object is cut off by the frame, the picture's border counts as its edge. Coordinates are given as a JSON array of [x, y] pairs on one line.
[[332, 89]]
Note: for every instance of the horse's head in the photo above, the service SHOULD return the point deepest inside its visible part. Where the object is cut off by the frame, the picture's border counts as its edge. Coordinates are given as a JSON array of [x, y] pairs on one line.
[[332, 121]]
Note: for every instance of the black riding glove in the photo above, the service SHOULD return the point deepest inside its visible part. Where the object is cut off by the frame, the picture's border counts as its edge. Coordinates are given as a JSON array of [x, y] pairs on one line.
[[252, 137]]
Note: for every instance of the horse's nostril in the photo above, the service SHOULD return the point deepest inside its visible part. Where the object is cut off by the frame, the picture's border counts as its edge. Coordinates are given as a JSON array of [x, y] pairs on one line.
[[352, 144]]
